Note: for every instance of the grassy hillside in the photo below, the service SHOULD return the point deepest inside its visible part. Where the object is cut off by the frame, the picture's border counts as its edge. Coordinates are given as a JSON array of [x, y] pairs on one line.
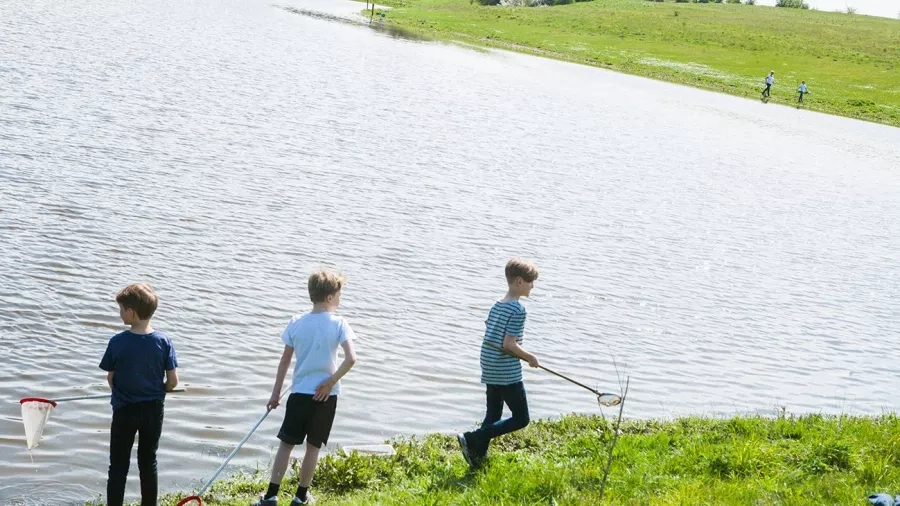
[[851, 63]]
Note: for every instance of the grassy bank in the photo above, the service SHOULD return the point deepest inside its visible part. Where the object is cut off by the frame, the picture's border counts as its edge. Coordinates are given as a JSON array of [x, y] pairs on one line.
[[691, 461], [851, 63]]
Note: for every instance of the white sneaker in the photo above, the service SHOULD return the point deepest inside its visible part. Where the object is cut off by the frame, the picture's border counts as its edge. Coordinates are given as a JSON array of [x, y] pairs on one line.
[[309, 500]]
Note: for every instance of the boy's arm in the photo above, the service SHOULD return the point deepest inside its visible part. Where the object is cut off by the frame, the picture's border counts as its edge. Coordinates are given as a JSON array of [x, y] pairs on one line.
[[515, 328], [511, 345], [171, 367], [324, 389], [171, 379], [283, 365], [107, 363]]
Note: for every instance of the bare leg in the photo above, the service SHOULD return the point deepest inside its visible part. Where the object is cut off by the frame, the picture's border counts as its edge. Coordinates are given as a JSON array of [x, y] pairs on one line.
[[282, 459], [308, 468]]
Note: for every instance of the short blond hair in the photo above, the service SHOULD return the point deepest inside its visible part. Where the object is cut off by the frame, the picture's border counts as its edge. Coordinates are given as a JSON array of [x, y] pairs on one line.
[[322, 284], [140, 297], [521, 268]]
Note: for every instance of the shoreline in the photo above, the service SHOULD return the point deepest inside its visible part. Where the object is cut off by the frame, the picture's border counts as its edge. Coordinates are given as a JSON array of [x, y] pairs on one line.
[[785, 459], [508, 28]]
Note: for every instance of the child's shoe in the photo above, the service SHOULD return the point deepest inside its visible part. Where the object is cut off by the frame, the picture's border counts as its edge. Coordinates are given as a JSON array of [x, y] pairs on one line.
[[464, 447]]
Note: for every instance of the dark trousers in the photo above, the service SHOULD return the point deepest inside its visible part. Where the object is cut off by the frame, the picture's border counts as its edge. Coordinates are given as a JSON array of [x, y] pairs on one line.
[[145, 418], [497, 395], [767, 90], [801, 97]]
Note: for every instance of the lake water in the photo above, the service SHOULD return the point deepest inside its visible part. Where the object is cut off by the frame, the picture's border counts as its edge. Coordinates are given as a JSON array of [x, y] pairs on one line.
[[730, 256]]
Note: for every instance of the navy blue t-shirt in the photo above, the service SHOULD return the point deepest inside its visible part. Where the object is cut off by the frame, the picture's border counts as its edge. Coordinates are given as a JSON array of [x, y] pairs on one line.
[[140, 362]]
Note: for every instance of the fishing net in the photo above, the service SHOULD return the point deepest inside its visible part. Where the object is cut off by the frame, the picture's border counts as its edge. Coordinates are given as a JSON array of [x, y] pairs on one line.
[[35, 413], [607, 399]]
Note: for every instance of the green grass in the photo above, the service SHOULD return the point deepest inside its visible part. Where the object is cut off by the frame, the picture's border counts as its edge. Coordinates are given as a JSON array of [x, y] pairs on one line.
[[851, 63], [692, 461]]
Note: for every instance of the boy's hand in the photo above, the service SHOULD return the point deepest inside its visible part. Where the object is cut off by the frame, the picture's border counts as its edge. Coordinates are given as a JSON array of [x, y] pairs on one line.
[[323, 391], [533, 361], [273, 403]]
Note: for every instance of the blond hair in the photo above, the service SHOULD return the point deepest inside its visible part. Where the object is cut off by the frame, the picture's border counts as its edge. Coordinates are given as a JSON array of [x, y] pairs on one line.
[[139, 297], [322, 284], [521, 268]]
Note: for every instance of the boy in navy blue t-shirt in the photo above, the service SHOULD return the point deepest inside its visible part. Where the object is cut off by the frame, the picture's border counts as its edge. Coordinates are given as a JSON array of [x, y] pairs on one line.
[[141, 368]]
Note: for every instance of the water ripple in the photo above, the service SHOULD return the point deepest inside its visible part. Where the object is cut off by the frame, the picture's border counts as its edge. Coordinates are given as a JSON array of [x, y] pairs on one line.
[[731, 258]]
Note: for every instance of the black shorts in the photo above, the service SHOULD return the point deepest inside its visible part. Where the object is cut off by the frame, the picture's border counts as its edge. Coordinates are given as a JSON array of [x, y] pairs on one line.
[[307, 419]]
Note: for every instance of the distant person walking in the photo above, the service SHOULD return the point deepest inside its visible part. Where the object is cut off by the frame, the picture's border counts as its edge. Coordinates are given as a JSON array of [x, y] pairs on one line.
[[803, 91], [770, 80]]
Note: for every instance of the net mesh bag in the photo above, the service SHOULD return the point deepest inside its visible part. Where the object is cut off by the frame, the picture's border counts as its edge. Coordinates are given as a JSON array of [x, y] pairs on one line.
[[35, 413], [608, 400]]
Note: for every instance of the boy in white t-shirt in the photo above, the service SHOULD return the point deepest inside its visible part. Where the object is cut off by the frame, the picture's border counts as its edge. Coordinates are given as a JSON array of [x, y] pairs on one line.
[[313, 338]]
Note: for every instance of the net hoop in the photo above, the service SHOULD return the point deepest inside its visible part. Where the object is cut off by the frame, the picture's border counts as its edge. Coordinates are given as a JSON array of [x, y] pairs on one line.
[[190, 499], [37, 399], [609, 400], [35, 414]]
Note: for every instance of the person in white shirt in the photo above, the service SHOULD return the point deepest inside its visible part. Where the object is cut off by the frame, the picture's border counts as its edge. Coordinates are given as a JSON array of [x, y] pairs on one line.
[[803, 91], [313, 340], [770, 80]]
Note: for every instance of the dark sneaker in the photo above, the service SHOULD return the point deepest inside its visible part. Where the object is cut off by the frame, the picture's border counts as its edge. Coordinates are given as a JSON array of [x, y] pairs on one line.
[[464, 447], [273, 501], [478, 458]]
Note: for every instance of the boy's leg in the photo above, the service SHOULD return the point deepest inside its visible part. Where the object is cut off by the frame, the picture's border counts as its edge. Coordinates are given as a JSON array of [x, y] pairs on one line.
[[517, 400], [494, 404], [476, 440], [514, 397], [307, 470], [279, 467], [320, 422], [150, 428], [121, 440]]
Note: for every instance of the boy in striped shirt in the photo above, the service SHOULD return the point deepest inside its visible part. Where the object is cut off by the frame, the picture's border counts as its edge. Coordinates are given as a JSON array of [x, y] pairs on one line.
[[502, 372]]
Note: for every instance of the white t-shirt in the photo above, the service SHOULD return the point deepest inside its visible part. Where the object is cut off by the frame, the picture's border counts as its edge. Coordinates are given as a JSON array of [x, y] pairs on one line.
[[770, 80], [315, 338]]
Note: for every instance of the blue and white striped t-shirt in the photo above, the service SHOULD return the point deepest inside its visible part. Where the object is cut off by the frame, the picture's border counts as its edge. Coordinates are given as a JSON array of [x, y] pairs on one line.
[[497, 367]]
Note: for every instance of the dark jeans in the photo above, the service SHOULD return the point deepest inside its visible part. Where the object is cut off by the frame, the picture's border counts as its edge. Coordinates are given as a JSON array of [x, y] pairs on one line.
[[801, 97], [145, 418], [514, 397], [767, 90]]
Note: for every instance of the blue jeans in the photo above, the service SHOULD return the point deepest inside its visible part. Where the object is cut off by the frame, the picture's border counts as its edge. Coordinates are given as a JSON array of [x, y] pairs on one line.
[[492, 426]]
